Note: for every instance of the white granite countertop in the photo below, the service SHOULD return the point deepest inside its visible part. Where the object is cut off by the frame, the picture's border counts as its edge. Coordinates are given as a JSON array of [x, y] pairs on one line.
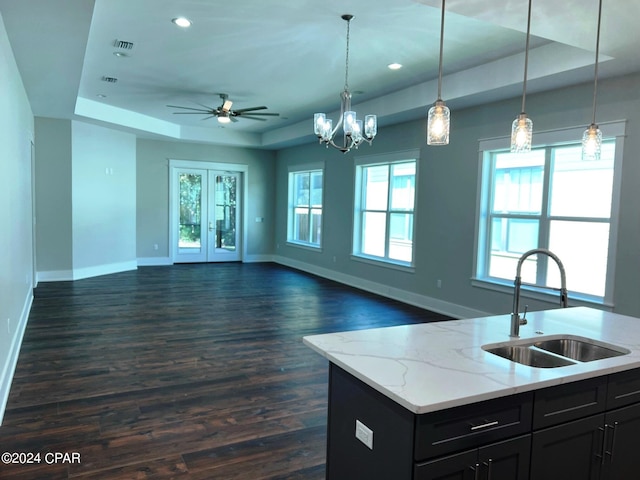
[[434, 366]]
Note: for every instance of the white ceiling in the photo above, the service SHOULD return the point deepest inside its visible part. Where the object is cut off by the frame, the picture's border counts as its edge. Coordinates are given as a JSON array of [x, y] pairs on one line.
[[289, 55]]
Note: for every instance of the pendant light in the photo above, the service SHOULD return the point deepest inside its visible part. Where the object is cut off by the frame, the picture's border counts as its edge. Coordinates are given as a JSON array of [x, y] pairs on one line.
[[439, 115], [522, 127], [592, 137]]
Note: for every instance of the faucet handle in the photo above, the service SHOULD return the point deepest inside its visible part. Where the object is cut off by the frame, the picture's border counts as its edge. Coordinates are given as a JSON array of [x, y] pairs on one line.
[[523, 320]]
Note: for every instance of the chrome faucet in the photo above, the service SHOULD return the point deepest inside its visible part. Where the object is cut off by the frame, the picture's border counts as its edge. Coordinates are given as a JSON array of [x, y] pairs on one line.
[[516, 321]]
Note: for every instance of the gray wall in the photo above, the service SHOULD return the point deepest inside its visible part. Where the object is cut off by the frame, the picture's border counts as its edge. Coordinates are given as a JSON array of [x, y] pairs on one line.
[[153, 194], [447, 193], [16, 226], [85, 200]]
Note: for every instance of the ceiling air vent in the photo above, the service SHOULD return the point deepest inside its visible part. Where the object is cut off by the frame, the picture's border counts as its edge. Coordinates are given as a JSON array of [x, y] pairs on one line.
[[109, 79], [123, 45]]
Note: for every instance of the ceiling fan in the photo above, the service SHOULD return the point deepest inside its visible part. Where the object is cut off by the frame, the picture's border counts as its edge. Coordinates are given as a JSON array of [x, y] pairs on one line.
[[224, 113]]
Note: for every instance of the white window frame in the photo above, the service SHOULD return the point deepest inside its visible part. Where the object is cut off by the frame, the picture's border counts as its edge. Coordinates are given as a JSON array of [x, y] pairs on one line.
[[373, 160], [297, 169], [611, 130]]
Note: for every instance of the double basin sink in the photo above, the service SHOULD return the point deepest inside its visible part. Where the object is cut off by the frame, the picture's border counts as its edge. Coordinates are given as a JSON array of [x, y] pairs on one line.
[[555, 351]]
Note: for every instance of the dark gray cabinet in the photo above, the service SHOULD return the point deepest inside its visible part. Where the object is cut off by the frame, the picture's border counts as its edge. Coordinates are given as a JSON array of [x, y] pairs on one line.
[[584, 430], [506, 460]]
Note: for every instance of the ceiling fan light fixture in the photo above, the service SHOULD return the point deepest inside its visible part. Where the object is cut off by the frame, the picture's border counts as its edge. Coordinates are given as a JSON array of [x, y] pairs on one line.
[[224, 119]]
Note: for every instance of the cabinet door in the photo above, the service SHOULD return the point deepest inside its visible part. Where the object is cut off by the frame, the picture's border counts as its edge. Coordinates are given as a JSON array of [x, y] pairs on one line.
[[508, 460], [568, 451], [621, 448], [461, 466]]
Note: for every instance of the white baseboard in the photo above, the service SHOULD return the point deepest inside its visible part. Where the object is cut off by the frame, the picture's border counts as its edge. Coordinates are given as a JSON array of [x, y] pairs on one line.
[[154, 261], [257, 258], [411, 298], [7, 372], [86, 272]]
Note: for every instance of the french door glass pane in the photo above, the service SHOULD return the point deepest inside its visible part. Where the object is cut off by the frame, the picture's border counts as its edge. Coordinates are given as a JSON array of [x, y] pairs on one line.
[[581, 188], [225, 212], [376, 187], [403, 186], [373, 233], [190, 211], [401, 236], [584, 261]]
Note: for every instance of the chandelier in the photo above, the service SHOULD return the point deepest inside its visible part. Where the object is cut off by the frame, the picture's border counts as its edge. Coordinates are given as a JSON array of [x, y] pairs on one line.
[[354, 131]]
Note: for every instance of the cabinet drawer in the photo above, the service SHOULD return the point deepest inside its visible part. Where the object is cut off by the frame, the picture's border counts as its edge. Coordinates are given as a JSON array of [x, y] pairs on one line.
[[623, 389], [571, 401], [469, 426]]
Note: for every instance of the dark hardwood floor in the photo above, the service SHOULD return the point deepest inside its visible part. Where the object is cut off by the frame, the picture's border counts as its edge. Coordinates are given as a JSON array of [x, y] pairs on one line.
[[190, 372]]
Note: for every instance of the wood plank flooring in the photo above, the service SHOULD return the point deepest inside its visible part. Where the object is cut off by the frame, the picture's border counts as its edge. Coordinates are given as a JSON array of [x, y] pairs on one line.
[[193, 371]]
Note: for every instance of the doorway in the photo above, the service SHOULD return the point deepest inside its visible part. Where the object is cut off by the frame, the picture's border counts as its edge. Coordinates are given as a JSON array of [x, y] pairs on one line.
[[206, 221]]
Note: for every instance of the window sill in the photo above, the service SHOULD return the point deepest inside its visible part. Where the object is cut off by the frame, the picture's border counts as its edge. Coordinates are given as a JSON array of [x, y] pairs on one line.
[[404, 267], [540, 293]]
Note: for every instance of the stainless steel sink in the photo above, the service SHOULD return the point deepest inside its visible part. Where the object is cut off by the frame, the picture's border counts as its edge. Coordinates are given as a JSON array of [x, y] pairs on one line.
[[531, 357], [555, 351], [577, 349]]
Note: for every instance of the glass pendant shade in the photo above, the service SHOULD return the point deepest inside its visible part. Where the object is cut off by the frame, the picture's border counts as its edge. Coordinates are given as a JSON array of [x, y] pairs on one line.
[[592, 143], [349, 122], [521, 134], [318, 123], [370, 126], [438, 124], [224, 119]]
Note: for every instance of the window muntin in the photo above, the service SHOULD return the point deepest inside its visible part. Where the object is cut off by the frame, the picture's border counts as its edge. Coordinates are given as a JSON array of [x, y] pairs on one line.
[[305, 207], [384, 215], [549, 198]]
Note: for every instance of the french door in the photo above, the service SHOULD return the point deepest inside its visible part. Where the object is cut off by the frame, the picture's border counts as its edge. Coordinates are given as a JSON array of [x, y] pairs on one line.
[[206, 224]]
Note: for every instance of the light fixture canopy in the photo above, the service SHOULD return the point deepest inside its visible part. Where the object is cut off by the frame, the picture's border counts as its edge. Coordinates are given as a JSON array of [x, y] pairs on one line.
[[592, 137], [522, 126], [438, 120], [354, 131]]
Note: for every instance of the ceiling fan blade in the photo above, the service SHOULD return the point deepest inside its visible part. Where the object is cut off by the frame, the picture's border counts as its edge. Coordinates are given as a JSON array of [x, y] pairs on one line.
[[209, 112], [260, 114], [242, 110], [249, 117], [233, 119], [205, 110]]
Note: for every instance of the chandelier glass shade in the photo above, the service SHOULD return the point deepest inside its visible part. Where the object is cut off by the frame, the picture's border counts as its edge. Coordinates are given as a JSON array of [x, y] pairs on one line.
[[438, 120], [522, 126], [592, 137], [354, 131]]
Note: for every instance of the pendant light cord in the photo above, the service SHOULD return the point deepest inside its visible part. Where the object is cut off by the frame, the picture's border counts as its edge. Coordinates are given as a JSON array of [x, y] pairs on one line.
[[526, 57], [595, 81], [441, 45]]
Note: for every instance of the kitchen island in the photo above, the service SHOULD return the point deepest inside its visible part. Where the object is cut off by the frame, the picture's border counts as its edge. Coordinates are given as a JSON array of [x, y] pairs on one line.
[[428, 401]]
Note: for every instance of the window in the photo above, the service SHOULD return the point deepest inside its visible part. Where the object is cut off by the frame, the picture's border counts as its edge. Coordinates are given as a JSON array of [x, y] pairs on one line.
[[384, 209], [305, 207], [550, 198]]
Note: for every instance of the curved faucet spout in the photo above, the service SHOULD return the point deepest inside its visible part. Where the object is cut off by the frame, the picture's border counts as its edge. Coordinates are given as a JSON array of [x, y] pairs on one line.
[[516, 321]]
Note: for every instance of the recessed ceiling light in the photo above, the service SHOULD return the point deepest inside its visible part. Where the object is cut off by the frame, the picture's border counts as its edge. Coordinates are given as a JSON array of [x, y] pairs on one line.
[[101, 95], [120, 54], [394, 66], [182, 22]]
